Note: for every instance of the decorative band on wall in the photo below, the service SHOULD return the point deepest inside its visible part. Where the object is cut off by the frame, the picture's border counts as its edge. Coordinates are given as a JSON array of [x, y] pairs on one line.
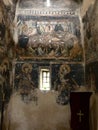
[[41, 12]]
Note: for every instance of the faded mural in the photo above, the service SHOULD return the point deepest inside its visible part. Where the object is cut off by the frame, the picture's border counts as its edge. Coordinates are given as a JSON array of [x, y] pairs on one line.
[[47, 38], [90, 32], [91, 45], [51, 38], [5, 89], [64, 79]]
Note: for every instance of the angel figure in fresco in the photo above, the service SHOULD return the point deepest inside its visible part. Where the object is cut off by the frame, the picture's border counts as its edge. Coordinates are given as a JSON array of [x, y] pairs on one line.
[[26, 85]]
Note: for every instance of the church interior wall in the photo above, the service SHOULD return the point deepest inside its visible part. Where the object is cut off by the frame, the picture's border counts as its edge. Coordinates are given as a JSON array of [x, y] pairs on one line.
[[76, 77], [80, 59]]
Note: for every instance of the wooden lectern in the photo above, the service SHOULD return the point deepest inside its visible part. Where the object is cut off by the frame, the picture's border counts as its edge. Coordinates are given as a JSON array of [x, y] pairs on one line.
[[79, 103]]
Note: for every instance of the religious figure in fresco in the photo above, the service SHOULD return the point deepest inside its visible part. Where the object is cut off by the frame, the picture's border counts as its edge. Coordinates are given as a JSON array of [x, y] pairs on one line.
[[58, 27], [26, 85], [51, 39], [24, 28], [32, 31], [48, 28], [67, 84], [76, 50], [40, 50]]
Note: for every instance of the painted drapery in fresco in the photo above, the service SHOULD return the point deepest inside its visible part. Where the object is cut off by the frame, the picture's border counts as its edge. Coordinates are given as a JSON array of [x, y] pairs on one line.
[[64, 78], [51, 38]]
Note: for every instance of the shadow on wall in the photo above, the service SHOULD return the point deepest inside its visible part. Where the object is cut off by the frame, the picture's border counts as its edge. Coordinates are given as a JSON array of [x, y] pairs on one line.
[[92, 76]]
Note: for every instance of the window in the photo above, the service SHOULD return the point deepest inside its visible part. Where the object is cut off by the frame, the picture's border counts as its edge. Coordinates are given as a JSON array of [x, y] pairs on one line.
[[44, 79]]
